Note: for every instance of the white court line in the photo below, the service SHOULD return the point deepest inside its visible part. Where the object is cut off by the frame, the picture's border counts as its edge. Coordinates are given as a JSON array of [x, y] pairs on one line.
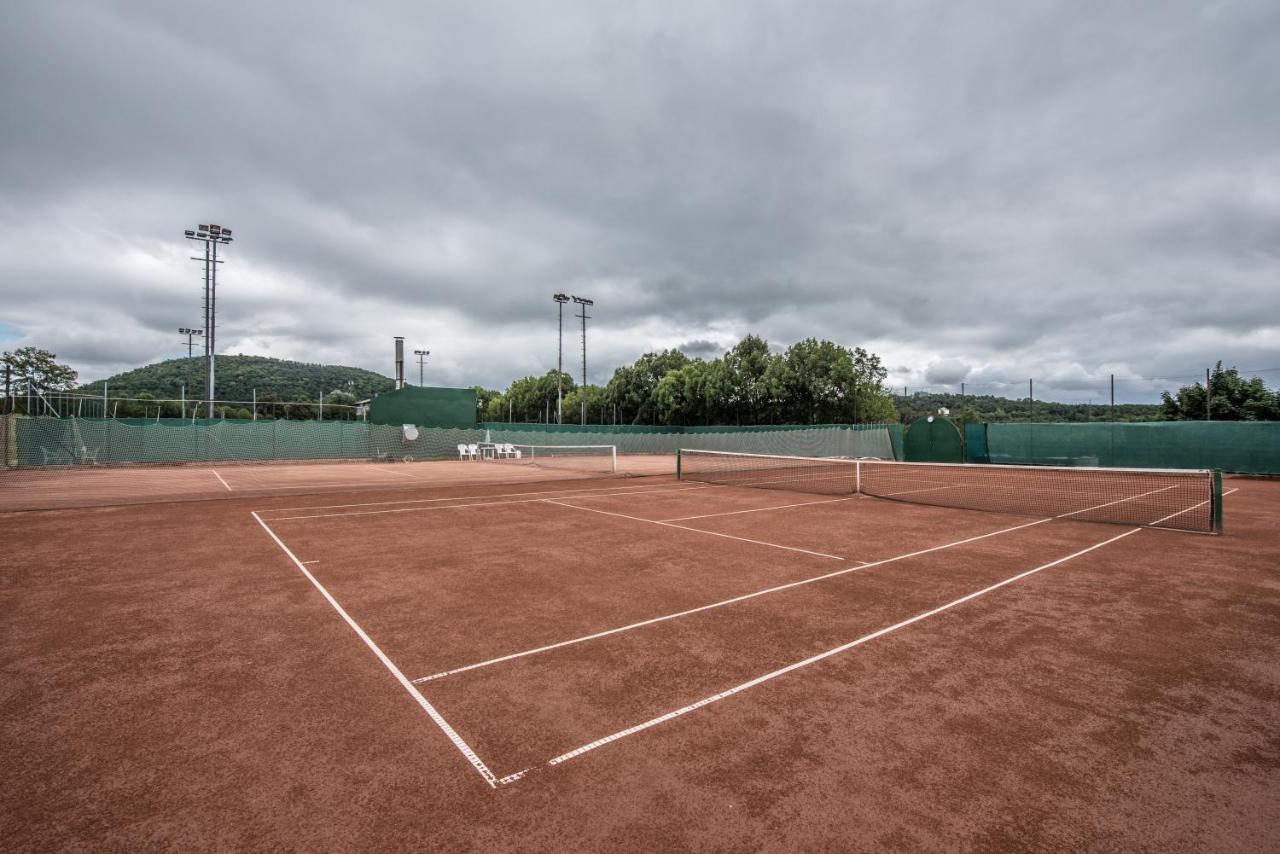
[[449, 731], [737, 689], [746, 596], [630, 490], [1193, 507], [759, 509], [474, 504], [695, 530], [914, 491], [224, 483]]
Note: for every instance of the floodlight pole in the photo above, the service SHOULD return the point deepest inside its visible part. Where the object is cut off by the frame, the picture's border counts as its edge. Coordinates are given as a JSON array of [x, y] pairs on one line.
[[190, 333], [422, 355], [561, 299], [211, 235], [582, 395]]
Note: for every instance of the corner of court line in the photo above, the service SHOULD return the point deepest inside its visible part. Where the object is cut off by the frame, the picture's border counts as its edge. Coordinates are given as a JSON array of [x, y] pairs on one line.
[[463, 747]]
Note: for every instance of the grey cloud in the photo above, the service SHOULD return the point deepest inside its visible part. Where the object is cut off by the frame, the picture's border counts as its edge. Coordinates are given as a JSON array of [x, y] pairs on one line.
[[1064, 193]]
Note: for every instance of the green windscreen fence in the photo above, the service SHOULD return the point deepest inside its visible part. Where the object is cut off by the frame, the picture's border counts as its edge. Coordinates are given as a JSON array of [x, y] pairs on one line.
[[1232, 446], [425, 407], [843, 440], [933, 439], [59, 442], [36, 442]]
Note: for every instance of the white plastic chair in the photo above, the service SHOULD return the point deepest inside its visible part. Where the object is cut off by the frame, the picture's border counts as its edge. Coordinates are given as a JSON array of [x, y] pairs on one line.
[[513, 451], [474, 451], [463, 453]]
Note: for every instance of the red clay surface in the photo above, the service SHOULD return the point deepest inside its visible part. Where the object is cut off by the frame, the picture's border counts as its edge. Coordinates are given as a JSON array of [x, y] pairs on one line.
[[86, 486], [172, 679]]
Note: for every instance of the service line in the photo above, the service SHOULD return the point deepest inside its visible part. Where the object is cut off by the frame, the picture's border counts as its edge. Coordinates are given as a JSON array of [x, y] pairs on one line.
[[663, 618], [722, 603], [463, 747], [476, 504], [759, 680], [622, 490], [695, 530]]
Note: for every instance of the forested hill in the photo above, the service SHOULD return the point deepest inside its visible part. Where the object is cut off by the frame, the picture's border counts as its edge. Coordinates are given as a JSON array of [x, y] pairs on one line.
[[984, 407], [238, 376]]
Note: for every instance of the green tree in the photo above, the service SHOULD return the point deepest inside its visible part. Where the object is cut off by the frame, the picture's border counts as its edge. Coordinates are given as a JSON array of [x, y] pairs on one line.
[[531, 399], [34, 370], [339, 405], [484, 396], [820, 382], [631, 388], [685, 395], [1229, 397], [593, 396], [743, 386]]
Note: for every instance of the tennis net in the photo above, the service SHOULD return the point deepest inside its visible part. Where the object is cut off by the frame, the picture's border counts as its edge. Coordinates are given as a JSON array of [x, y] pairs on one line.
[[586, 458], [1162, 498]]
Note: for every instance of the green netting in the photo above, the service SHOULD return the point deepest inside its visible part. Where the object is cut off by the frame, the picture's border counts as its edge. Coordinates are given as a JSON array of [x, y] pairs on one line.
[[35, 442], [933, 439], [427, 407], [1233, 446], [8, 441], [975, 444], [826, 441], [88, 441], [895, 439]]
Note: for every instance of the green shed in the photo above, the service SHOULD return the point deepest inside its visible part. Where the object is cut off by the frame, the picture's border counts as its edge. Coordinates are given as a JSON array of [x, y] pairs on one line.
[[425, 407]]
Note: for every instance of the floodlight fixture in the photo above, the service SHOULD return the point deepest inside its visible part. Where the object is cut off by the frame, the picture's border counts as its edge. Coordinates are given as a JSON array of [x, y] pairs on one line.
[[422, 355]]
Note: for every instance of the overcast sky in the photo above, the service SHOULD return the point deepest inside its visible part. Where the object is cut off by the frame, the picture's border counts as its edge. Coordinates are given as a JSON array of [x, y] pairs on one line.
[[976, 192]]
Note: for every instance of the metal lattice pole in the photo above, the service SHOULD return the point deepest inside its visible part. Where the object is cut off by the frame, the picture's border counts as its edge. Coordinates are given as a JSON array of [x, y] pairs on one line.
[[561, 299], [584, 303]]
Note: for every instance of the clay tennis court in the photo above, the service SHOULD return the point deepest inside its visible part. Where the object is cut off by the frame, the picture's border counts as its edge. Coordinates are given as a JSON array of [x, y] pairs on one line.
[[473, 657]]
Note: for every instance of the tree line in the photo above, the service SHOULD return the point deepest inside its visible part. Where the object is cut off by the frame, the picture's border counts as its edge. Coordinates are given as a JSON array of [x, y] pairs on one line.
[[811, 382]]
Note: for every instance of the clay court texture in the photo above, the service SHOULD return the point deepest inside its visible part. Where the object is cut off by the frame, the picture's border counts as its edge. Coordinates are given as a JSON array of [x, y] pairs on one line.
[[464, 656]]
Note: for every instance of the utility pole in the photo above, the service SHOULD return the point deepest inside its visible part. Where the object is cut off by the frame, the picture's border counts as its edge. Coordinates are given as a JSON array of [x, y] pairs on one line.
[[422, 356], [1208, 398], [1112, 416], [561, 299], [585, 304], [1031, 399], [211, 236]]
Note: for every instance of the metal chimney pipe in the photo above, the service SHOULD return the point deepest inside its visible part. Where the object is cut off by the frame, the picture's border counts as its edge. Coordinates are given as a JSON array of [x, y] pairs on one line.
[[399, 361]]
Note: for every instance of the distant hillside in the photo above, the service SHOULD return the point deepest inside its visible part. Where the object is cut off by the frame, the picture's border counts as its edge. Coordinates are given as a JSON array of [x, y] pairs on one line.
[[238, 376], [989, 408]]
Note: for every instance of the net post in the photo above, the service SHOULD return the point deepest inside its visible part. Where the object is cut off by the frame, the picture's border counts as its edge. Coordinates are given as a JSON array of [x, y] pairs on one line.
[[678, 453], [857, 477], [1217, 501], [613, 459]]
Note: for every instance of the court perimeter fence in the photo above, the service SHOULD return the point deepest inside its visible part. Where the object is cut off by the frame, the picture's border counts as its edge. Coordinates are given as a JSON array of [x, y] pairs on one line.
[[1245, 447], [57, 442], [33, 442]]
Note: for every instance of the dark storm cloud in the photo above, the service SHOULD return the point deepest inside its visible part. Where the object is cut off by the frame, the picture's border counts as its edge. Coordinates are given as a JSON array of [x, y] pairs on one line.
[[977, 193]]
